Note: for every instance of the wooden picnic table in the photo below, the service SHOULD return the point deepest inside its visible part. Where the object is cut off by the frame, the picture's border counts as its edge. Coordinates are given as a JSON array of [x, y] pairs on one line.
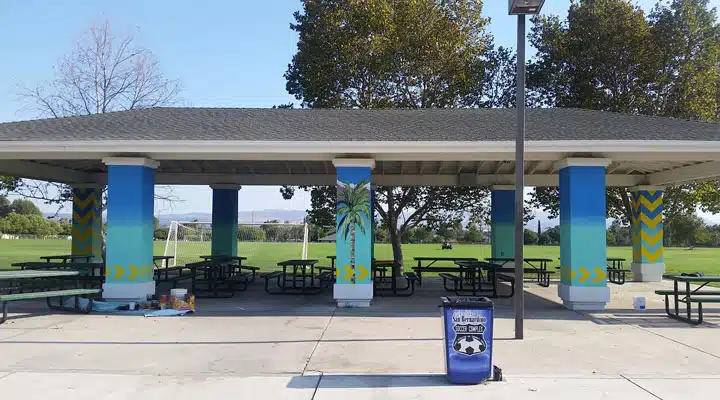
[[689, 295], [543, 275], [432, 260], [67, 257]]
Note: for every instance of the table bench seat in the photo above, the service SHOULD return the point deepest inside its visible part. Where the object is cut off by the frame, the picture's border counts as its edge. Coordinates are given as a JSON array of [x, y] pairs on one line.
[[49, 294], [705, 300], [671, 292]]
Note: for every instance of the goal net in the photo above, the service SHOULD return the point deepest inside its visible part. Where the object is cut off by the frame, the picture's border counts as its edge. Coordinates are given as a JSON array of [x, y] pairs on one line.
[[264, 244]]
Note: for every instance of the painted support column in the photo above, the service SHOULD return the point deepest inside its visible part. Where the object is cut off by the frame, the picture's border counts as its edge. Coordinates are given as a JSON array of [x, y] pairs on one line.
[[225, 220], [583, 253], [353, 244], [372, 222], [647, 233], [502, 221], [87, 221], [130, 224]]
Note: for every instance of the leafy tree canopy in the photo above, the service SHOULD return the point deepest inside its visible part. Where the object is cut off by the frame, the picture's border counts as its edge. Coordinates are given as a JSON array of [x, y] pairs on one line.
[[607, 55]]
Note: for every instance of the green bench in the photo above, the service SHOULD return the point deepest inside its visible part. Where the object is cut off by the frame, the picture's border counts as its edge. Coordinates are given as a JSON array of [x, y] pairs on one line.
[[49, 295]]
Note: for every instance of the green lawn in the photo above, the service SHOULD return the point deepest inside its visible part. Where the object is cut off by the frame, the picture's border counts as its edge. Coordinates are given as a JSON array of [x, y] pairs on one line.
[[266, 255]]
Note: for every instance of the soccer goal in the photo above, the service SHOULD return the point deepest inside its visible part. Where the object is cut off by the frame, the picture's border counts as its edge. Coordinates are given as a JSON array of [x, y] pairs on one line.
[[263, 244]]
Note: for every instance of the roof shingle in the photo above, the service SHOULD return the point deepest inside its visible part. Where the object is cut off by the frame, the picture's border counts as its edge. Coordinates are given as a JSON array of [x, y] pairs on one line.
[[356, 125]]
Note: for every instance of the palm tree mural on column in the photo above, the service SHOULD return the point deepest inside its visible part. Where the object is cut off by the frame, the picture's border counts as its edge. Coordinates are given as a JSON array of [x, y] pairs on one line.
[[353, 209]]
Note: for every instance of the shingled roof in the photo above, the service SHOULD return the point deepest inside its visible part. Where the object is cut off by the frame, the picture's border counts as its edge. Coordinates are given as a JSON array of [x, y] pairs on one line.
[[244, 124]]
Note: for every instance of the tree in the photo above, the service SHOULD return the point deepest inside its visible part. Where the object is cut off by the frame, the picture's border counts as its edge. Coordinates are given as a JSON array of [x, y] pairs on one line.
[[102, 74], [703, 237], [473, 234], [683, 229], [609, 237], [686, 41], [607, 56], [397, 54], [25, 207], [530, 237], [554, 235], [5, 206], [544, 239]]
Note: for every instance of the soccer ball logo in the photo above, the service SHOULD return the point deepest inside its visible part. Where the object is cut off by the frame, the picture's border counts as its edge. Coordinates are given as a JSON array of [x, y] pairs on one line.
[[467, 343]]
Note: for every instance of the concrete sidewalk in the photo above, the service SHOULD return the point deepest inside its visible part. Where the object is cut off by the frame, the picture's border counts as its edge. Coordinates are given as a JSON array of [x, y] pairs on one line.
[[282, 347]]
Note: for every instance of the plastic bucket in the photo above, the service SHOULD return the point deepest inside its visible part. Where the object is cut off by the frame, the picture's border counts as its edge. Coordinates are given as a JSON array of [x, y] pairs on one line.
[[639, 302]]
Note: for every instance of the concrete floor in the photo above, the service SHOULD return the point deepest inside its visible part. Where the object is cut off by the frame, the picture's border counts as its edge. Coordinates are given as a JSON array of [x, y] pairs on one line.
[[287, 347]]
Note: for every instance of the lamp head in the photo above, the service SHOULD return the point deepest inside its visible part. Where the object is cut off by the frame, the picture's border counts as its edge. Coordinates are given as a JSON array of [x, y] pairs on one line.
[[525, 7]]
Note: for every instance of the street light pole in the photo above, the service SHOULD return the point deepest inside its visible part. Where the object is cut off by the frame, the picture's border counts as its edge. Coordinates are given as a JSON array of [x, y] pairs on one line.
[[519, 297]]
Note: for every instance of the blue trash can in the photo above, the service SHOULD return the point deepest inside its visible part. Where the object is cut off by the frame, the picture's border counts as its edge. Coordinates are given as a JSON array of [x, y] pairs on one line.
[[468, 337]]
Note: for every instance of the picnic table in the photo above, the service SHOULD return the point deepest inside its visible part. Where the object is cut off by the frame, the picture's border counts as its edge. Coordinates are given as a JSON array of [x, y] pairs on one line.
[[388, 284], [543, 275], [688, 296], [14, 281], [295, 282], [432, 260], [615, 272], [85, 269], [164, 261], [67, 257], [470, 278]]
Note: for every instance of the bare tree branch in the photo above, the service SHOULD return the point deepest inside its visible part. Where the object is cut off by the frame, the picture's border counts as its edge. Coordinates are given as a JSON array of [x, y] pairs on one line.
[[102, 74]]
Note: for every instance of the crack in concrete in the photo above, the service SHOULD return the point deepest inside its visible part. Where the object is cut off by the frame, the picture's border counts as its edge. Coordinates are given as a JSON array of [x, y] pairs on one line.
[[318, 342], [641, 388]]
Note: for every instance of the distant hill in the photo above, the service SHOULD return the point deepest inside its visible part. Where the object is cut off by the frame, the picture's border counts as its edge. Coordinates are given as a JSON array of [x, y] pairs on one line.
[[244, 217]]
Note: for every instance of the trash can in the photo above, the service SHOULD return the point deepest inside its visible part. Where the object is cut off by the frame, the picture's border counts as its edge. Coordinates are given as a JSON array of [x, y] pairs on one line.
[[468, 337]]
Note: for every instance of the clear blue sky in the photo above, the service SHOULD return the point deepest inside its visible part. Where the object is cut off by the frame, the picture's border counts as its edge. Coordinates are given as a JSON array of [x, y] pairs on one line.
[[225, 53]]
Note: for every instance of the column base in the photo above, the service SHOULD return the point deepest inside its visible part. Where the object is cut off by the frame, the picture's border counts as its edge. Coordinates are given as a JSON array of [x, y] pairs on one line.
[[128, 291], [584, 298], [647, 272], [353, 295]]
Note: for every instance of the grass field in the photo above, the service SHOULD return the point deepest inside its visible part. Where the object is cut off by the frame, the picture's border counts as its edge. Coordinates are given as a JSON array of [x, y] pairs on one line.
[[266, 255]]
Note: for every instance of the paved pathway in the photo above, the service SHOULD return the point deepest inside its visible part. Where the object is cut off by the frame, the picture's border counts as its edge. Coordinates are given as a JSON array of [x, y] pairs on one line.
[[280, 347]]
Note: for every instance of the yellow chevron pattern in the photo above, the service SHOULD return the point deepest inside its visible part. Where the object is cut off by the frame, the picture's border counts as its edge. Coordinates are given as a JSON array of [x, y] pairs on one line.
[[647, 227], [651, 205], [651, 240], [131, 272], [86, 224], [652, 257]]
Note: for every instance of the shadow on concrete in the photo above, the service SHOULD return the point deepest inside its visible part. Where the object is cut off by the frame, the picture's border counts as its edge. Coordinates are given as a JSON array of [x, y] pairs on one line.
[[350, 381]]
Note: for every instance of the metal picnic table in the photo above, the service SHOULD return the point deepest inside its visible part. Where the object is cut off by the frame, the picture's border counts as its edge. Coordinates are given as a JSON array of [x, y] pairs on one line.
[[689, 295], [296, 281], [472, 274], [543, 276], [164, 260], [67, 257], [380, 278], [429, 267], [12, 277]]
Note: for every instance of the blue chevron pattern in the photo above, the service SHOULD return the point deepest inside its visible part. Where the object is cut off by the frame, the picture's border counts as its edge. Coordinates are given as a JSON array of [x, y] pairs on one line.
[[647, 226], [87, 222]]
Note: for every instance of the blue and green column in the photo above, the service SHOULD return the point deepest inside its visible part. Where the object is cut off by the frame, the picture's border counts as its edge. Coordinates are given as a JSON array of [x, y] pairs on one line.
[[353, 244], [87, 221], [647, 233], [583, 272], [225, 220], [502, 221], [130, 225]]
